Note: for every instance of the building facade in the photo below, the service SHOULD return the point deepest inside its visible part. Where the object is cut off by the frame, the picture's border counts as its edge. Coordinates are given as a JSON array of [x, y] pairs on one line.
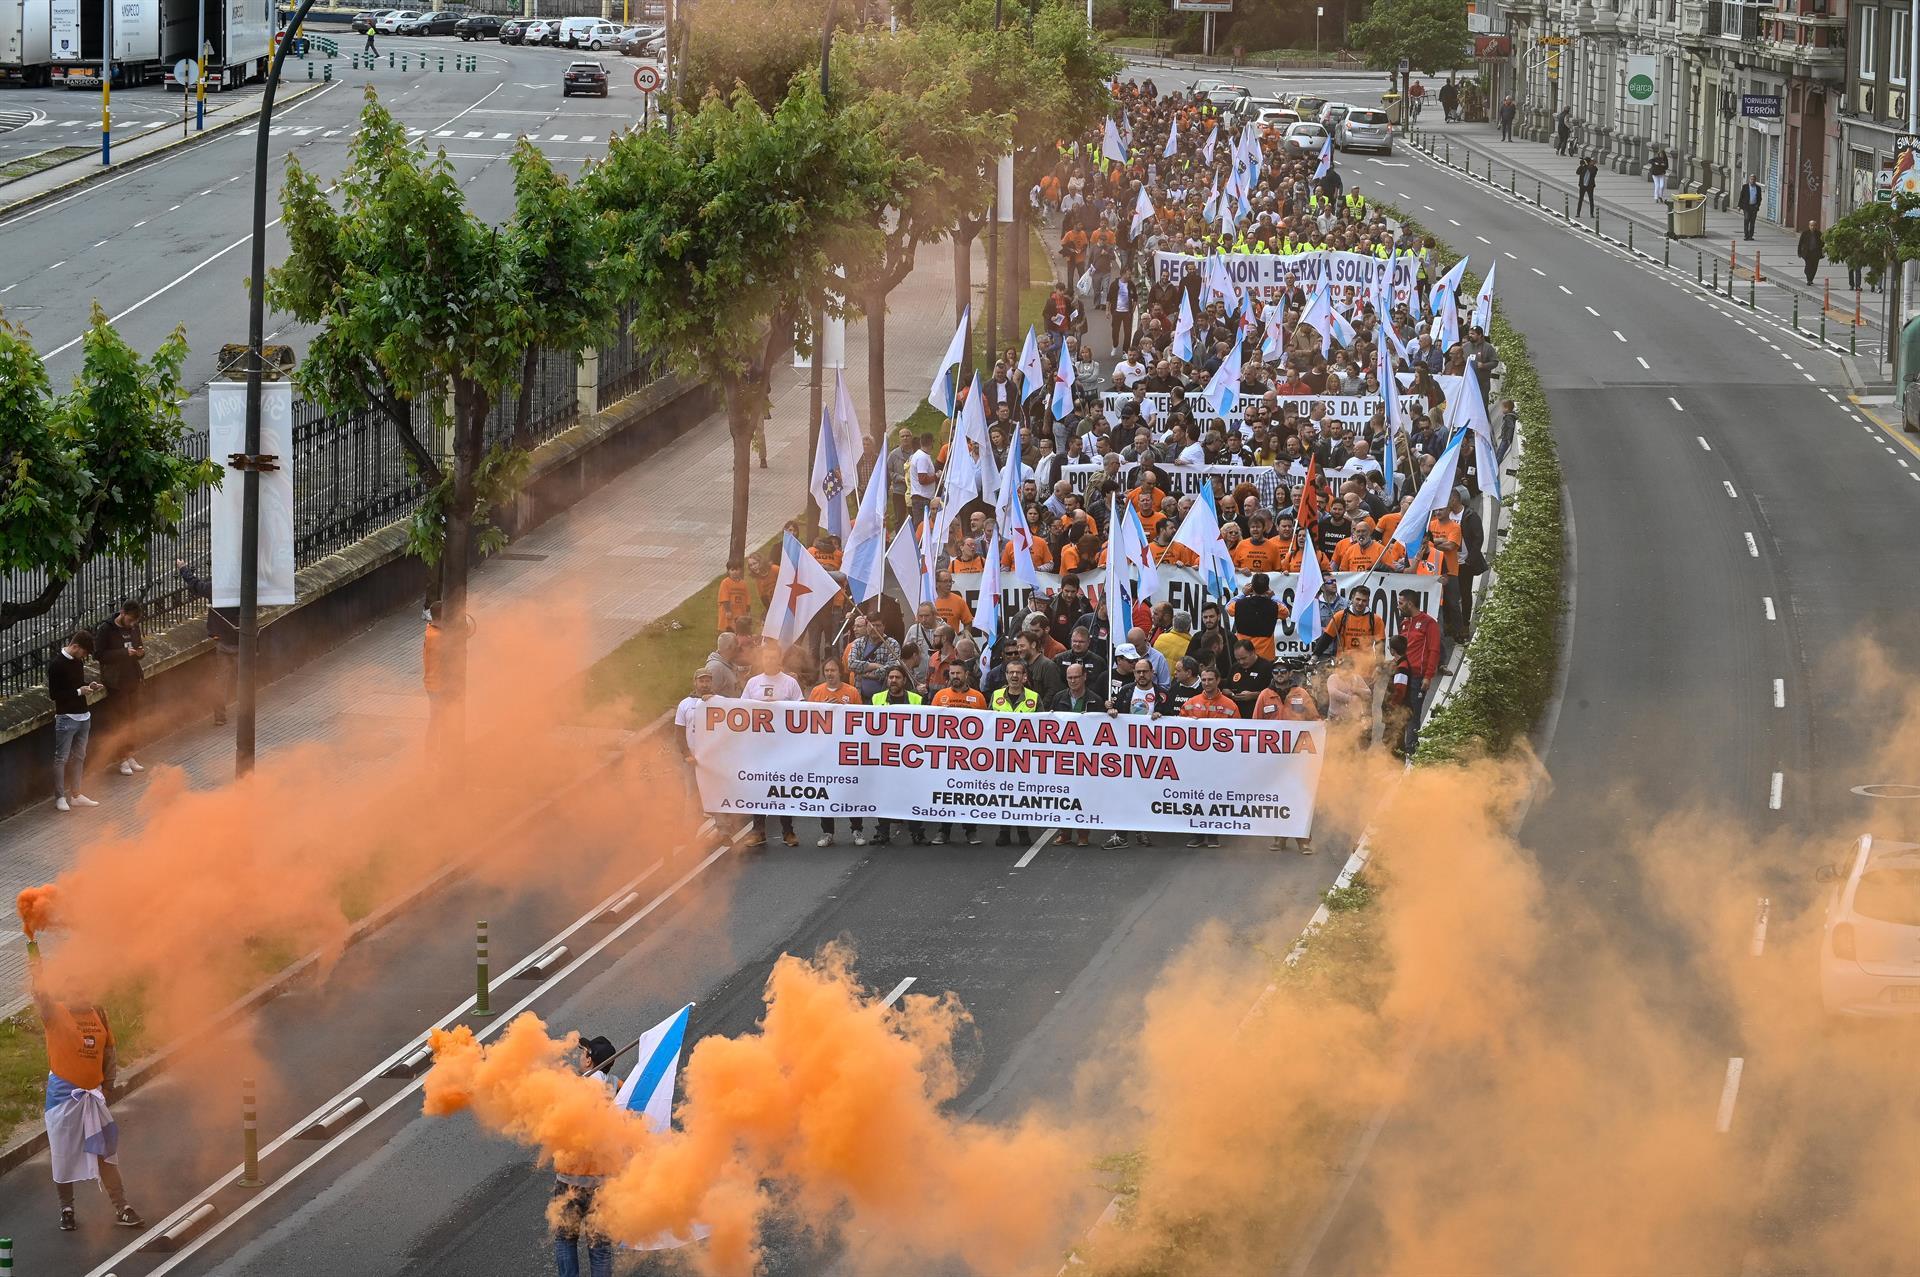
[[1737, 89], [1874, 108]]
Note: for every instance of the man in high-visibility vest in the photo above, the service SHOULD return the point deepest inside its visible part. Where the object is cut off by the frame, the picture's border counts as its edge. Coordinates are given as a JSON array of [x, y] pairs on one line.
[[1015, 697]]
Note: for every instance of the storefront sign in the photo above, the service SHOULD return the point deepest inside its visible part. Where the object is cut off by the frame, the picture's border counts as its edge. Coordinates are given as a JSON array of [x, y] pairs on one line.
[[1760, 106]]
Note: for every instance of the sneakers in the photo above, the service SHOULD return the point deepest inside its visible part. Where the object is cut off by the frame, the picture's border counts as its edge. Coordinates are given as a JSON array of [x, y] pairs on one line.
[[133, 763], [1276, 844], [859, 840], [1306, 846], [67, 1224], [81, 800], [128, 1217], [1213, 840], [126, 768], [1143, 840], [826, 840], [939, 840], [61, 804], [1114, 840], [1196, 841], [973, 837]]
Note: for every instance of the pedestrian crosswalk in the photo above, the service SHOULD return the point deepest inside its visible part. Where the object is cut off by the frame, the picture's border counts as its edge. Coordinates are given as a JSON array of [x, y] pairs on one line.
[[415, 135]]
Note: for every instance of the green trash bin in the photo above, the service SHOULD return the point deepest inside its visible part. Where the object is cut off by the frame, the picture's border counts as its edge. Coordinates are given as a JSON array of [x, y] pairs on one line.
[[1687, 217]]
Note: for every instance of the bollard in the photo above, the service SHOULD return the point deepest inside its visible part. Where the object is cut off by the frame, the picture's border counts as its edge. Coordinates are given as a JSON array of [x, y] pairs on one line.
[[1750, 287], [1666, 254], [1853, 341], [440, 62], [1823, 329], [326, 71], [480, 1007], [1513, 183], [249, 1136], [1596, 221], [1756, 267], [390, 60], [309, 70], [1566, 207], [1796, 312], [1629, 234], [1716, 275], [1449, 152], [1539, 190], [1826, 298], [1699, 268], [6, 1255]]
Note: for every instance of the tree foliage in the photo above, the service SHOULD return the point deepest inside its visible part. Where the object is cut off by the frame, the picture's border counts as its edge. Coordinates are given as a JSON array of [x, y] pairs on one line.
[[418, 300], [756, 45], [1875, 235], [1430, 34], [727, 231], [100, 470]]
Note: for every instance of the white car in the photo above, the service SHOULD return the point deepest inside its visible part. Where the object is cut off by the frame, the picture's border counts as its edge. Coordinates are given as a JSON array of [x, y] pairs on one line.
[[390, 21], [540, 32], [1303, 139], [1870, 949]]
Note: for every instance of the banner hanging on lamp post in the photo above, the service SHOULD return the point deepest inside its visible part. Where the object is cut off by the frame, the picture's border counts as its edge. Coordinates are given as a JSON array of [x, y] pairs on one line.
[[227, 438]]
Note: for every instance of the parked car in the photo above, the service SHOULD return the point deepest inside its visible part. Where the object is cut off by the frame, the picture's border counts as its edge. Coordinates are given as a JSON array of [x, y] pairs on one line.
[[390, 21], [1277, 117], [1303, 139], [601, 35], [573, 31], [584, 77], [478, 26], [439, 22], [1870, 950], [540, 31], [364, 20], [513, 31], [638, 42], [1364, 129]]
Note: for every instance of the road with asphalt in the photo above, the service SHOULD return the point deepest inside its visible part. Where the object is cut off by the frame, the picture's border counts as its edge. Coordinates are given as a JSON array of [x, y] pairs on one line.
[[168, 243], [1740, 524]]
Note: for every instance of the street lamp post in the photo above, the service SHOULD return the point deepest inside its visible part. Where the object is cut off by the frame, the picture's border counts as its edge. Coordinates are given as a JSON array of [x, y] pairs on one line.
[[1319, 12], [248, 672], [816, 390], [993, 244]]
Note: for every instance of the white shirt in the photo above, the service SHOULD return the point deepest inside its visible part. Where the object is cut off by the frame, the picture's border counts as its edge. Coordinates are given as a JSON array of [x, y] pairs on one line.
[[1193, 454], [773, 687], [924, 473], [687, 713], [1126, 372]]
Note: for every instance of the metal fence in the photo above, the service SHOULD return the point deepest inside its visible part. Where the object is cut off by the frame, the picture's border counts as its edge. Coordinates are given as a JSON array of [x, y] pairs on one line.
[[350, 477]]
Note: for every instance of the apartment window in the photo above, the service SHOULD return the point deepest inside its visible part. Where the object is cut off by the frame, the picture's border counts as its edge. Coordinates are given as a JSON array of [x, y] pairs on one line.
[[1868, 69], [1898, 50]]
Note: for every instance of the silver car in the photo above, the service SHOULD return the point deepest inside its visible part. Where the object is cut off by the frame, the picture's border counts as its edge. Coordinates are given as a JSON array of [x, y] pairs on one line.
[[1363, 129], [1303, 139]]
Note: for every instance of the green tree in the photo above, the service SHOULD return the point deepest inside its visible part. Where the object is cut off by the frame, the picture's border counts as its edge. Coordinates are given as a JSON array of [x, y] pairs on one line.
[[100, 470], [1875, 236], [1430, 34], [418, 300], [727, 232], [912, 91], [758, 45]]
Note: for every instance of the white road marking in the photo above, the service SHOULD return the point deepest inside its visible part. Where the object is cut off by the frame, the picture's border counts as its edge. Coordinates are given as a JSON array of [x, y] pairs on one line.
[[1779, 693], [137, 225], [1809, 376], [1729, 1093], [898, 989], [1760, 927], [1774, 787], [1704, 445], [1643, 362], [1038, 845], [1753, 547], [56, 266], [1723, 483], [1675, 403], [1563, 288], [1428, 207], [1766, 602], [1451, 220], [1536, 270], [175, 209], [1483, 239], [1509, 256], [1593, 312], [98, 242], [1616, 332], [551, 137]]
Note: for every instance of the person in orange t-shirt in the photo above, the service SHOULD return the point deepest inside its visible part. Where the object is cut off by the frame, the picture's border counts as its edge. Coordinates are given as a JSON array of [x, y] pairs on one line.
[[1040, 551], [1358, 551], [736, 602], [969, 559], [764, 576], [81, 1070], [1211, 702], [949, 604]]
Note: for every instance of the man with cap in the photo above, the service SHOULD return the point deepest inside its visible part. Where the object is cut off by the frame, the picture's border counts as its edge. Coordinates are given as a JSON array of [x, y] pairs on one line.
[[574, 1187], [685, 716]]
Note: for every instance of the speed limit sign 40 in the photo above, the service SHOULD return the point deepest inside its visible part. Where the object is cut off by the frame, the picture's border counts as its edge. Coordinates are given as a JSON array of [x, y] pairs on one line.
[[646, 79]]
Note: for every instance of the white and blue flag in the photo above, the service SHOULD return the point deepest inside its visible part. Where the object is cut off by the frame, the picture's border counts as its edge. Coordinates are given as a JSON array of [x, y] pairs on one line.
[[863, 561], [648, 1091]]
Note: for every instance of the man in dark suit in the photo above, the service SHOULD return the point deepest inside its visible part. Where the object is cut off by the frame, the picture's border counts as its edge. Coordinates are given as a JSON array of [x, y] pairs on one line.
[[1749, 202]]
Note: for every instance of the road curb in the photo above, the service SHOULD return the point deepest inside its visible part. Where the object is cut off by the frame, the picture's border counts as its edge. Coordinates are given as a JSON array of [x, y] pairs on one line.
[[163, 151], [152, 1066]]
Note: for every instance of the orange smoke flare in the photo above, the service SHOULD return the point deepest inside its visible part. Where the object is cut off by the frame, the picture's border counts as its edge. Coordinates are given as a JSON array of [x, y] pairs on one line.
[[36, 909]]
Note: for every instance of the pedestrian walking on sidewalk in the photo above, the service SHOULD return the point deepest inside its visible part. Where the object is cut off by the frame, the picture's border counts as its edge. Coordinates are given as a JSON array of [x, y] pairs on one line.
[[119, 646], [371, 50], [223, 627], [1507, 110], [72, 719], [1811, 248], [1749, 203], [1563, 131], [1449, 100], [573, 1193], [83, 1141], [1657, 170], [1587, 176]]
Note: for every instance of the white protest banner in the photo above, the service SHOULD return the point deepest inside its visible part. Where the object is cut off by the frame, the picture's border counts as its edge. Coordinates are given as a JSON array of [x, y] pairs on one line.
[[1061, 771], [227, 436], [1185, 589], [1180, 480], [1351, 275]]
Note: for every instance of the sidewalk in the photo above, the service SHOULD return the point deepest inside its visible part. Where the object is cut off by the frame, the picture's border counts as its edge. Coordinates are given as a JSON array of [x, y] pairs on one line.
[[1533, 168], [641, 545], [225, 111]]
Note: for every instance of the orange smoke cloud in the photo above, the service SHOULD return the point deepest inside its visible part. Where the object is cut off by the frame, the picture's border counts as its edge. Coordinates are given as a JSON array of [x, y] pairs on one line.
[[834, 1100], [36, 906]]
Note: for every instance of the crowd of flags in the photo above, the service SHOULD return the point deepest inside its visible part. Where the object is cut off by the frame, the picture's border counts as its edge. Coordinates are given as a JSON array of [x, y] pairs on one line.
[[803, 587]]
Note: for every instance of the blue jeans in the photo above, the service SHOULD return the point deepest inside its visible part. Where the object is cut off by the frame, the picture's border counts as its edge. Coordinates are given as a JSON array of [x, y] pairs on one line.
[[566, 1236], [69, 753]]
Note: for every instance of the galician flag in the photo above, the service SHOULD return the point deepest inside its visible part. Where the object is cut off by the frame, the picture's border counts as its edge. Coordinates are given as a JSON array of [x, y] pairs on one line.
[[829, 486], [846, 422], [941, 394], [903, 556], [1483, 304], [1223, 392], [1033, 373], [864, 557], [648, 1091], [1111, 145], [1172, 148], [1183, 329], [1326, 159], [1433, 495], [1200, 532], [1142, 210], [1467, 410], [1011, 513], [1307, 620], [1206, 151], [1063, 384], [986, 617], [801, 590]]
